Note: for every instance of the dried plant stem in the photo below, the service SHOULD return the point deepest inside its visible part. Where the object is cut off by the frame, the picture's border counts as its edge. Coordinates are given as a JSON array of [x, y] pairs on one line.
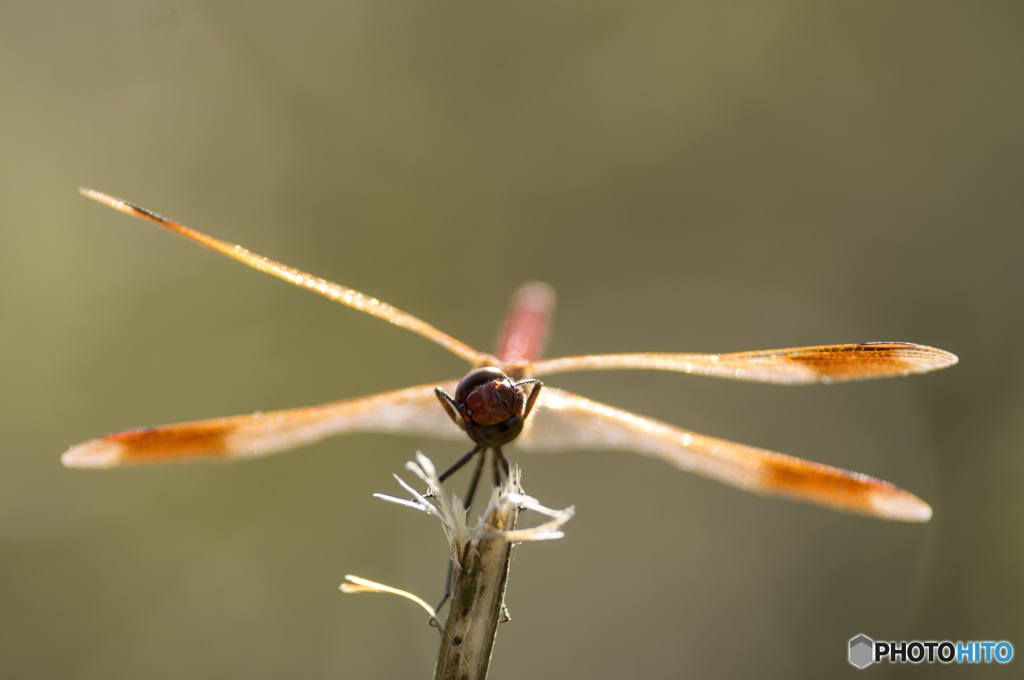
[[480, 556], [477, 597]]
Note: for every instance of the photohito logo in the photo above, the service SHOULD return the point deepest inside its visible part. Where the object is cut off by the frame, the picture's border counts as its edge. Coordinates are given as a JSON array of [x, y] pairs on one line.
[[864, 651]]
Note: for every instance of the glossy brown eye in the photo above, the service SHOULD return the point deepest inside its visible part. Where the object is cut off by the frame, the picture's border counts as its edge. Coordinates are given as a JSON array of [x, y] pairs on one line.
[[476, 378]]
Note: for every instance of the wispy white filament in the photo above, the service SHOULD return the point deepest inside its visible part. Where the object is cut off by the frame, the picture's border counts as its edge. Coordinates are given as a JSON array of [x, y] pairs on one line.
[[449, 510]]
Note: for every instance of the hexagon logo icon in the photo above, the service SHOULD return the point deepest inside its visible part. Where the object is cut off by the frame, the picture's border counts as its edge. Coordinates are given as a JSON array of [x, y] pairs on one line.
[[862, 651]]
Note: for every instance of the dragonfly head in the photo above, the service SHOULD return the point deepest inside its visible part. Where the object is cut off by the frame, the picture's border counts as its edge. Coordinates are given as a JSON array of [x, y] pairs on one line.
[[491, 406]]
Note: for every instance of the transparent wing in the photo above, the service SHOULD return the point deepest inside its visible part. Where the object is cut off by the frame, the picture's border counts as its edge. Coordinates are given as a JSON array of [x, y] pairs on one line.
[[564, 421], [333, 291], [410, 411], [794, 366]]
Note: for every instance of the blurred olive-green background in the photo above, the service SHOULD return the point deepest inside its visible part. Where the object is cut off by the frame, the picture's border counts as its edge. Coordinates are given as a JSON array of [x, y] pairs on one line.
[[689, 176]]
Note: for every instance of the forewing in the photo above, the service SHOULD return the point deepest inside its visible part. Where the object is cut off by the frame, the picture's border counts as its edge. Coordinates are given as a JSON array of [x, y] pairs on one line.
[[564, 421], [410, 411], [333, 291], [794, 366]]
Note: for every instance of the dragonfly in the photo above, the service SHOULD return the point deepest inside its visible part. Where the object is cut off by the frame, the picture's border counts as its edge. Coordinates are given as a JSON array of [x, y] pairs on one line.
[[549, 419]]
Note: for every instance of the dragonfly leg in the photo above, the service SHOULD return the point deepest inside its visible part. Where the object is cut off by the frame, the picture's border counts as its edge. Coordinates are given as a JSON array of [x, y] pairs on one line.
[[447, 586], [458, 464], [450, 407], [499, 462], [468, 499], [534, 393]]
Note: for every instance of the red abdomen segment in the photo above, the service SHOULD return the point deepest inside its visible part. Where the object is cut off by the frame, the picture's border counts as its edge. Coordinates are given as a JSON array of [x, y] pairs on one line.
[[527, 324]]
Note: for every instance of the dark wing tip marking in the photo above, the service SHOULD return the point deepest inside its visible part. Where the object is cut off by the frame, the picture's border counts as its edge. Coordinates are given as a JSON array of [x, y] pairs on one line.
[[147, 213]]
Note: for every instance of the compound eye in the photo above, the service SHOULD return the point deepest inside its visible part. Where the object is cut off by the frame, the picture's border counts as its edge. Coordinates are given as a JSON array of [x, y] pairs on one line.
[[474, 379]]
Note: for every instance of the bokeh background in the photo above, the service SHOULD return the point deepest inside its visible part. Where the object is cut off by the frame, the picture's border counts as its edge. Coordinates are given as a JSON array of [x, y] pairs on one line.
[[689, 176]]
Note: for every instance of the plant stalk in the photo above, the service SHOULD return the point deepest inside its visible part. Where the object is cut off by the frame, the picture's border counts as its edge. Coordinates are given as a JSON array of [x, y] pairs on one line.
[[477, 602]]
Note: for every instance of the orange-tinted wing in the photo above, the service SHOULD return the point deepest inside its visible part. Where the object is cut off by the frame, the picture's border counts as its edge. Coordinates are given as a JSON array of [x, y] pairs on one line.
[[345, 296], [411, 411], [564, 421], [795, 366]]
